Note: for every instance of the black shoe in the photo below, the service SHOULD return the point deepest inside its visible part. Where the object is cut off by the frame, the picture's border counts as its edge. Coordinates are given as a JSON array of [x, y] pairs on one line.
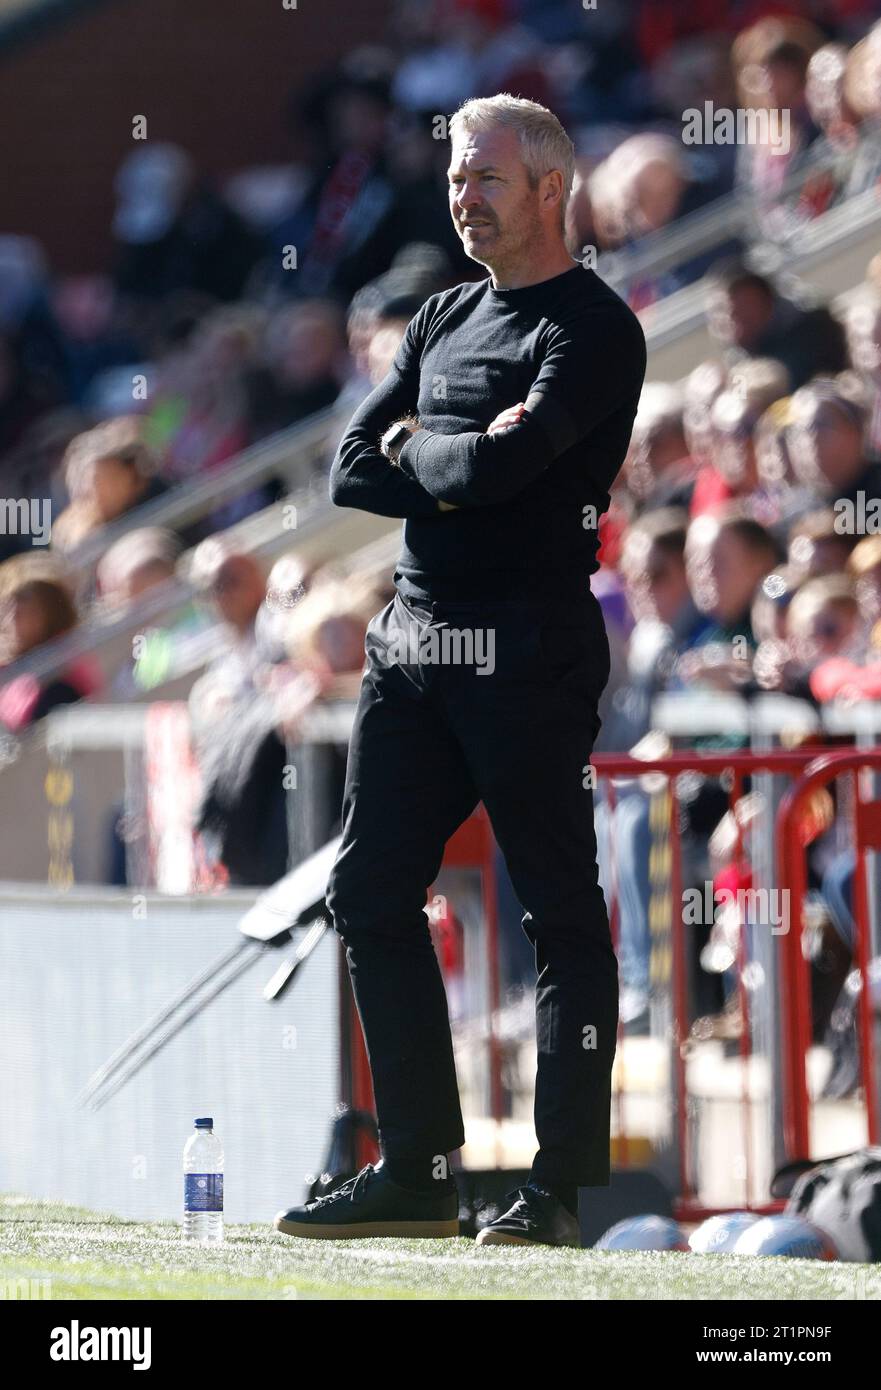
[[536, 1218], [372, 1205]]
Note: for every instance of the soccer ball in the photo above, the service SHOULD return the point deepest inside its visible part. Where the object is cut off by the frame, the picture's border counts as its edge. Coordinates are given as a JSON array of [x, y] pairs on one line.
[[644, 1233], [718, 1235], [786, 1235]]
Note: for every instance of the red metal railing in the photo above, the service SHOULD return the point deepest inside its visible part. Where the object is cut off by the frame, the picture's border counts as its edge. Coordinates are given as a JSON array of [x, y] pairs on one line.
[[796, 1000], [733, 768], [473, 846]]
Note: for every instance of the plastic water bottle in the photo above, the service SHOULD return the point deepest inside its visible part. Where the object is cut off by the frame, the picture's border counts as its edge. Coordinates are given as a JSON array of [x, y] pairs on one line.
[[203, 1185]]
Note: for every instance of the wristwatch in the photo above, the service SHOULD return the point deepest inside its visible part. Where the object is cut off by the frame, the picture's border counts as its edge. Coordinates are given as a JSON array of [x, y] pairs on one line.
[[393, 441]]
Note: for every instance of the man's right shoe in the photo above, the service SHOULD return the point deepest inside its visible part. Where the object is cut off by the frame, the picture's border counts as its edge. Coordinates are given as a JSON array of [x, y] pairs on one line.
[[372, 1205]]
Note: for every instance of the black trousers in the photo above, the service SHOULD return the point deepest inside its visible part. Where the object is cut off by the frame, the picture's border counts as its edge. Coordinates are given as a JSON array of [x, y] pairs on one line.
[[513, 727]]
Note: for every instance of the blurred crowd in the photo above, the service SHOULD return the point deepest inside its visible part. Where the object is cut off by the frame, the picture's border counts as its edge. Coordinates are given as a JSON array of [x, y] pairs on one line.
[[738, 555]]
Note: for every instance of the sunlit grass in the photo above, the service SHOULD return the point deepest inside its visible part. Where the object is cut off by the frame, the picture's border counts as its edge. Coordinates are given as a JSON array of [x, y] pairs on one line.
[[88, 1255]]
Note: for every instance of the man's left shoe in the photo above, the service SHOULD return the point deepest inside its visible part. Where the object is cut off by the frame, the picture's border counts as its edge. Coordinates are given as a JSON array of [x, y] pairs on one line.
[[536, 1218]]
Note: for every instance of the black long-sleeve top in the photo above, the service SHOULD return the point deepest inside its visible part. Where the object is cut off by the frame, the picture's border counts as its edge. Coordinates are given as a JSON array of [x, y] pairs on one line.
[[525, 499]]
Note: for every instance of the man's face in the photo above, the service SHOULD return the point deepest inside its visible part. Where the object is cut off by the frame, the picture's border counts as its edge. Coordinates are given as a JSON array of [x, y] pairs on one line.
[[657, 192], [823, 632], [655, 579], [115, 487], [238, 589], [739, 316], [494, 210], [667, 584], [827, 449], [816, 555], [654, 451], [733, 453], [723, 572]]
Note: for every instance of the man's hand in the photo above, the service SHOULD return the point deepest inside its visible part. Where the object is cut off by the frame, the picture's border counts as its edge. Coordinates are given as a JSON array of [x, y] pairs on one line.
[[511, 416]]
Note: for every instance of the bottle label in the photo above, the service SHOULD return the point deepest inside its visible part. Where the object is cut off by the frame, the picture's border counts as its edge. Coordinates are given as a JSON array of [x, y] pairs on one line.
[[203, 1192]]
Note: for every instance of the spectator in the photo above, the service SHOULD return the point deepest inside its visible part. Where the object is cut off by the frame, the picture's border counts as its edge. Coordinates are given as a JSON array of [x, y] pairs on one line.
[[824, 621], [304, 358], [776, 82], [242, 726], [827, 440], [773, 461], [816, 547], [108, 471], [173, 232], [863, 322], [701, 388], [749, 318], [287, 583], [136, 563], [31, 469], [326, 631], [752, 387], [856, 674], [667, 619], [199, 413], [864, 567], [324, 635], [234, 585], [768, 617], [646, 184], [659, 471], [830, 159], [419, 270], [803, 628], [349, 192], [240, 755], [726, 557], [415, 163], [37, 606], [862, 92], [479, 51], [139, 562], [97, 337]]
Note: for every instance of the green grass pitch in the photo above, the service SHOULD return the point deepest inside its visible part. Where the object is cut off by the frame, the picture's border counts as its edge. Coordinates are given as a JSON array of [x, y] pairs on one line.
[[90, 1255]]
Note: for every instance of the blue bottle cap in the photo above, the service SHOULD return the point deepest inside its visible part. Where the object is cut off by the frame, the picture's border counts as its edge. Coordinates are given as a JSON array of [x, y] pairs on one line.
[[205, 1124]]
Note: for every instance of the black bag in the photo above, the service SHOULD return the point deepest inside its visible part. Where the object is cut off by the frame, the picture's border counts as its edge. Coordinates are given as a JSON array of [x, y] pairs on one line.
[[843, 1198]]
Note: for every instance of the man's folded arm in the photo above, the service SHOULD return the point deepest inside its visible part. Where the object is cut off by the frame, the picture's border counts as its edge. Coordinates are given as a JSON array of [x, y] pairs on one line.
[[582, 381], [360, 475]]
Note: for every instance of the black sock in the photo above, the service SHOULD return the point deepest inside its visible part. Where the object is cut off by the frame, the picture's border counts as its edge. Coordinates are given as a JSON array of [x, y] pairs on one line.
[[420, 1172], [565, 1192]]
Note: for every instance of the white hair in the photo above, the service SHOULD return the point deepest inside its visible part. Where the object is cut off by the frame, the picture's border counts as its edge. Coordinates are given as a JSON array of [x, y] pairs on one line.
[[544, 144]]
